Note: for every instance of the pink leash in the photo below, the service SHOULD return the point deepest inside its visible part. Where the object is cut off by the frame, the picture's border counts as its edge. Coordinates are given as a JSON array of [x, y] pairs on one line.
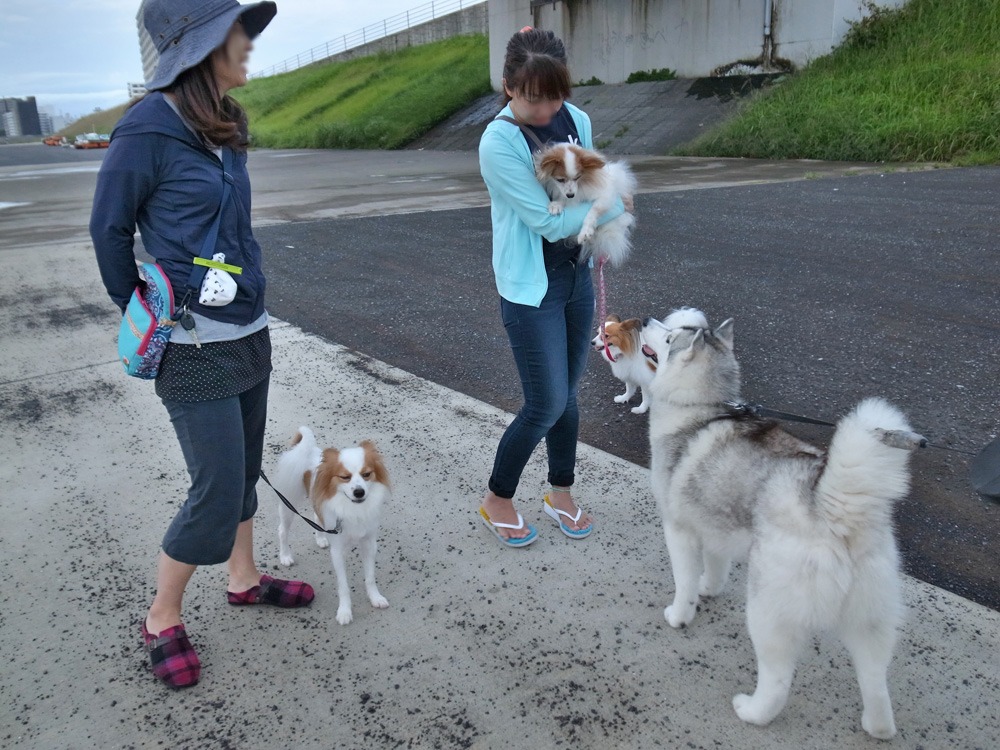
[[602, 306]]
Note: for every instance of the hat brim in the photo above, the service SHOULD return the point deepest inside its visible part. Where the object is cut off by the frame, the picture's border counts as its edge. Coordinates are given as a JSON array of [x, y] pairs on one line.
[[201, 41]]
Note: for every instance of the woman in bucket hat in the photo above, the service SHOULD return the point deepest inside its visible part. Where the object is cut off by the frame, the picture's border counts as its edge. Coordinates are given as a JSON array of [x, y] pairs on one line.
[[164, 173]]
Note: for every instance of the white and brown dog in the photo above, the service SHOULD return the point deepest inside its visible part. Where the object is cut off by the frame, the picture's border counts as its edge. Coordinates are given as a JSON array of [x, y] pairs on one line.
[[346, 487], [624, 354]]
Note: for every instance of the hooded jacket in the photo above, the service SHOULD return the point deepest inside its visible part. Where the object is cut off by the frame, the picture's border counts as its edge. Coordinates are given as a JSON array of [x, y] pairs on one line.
[[159, 176]]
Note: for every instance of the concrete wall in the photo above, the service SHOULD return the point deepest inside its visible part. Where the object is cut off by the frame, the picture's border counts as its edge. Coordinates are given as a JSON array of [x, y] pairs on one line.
[[472, 20], [610, 39]]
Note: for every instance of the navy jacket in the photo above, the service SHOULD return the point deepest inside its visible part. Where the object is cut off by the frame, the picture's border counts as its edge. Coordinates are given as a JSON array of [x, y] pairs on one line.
[[157, 175]]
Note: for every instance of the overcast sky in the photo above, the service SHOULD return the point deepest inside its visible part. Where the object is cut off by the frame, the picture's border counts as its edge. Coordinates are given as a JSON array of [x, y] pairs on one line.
[[75, 55]]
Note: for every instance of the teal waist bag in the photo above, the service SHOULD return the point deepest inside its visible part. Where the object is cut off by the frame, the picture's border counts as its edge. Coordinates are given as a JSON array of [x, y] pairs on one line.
[[147, 323]]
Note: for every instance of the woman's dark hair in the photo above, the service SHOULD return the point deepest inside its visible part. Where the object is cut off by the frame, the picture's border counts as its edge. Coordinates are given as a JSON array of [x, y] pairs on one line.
[[535, 66], [220, 120]]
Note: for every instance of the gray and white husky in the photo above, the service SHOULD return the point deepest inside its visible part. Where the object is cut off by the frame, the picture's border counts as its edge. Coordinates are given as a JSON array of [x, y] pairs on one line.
[[816, 527]]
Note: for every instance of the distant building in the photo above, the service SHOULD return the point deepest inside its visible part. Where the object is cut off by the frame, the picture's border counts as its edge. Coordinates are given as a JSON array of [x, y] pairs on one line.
[[20, 116], [146, 47], [45, 120], [136, 90]]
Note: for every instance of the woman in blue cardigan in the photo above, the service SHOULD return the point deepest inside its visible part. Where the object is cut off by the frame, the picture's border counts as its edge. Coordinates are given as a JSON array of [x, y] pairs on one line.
[[164, 173], [546, 293]]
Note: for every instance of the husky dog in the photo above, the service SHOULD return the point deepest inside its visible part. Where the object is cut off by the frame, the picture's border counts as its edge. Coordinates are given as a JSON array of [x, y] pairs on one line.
[[817, 527]]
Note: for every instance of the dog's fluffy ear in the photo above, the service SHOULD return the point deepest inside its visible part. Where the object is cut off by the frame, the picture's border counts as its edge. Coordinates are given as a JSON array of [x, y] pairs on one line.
[[589, 160], [546, 163], [374, 459], [724, 333], [696, 343], [613, 319]]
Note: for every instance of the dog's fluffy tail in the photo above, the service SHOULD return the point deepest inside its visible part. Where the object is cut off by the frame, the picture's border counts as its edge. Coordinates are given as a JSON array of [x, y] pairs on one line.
[[304, 434], [863, 475]]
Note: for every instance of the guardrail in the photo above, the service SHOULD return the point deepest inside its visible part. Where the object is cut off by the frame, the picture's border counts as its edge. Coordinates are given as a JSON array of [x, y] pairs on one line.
[[371, 33]]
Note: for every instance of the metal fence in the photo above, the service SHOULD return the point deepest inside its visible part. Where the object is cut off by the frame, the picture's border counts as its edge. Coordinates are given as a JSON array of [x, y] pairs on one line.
[[371, 33]]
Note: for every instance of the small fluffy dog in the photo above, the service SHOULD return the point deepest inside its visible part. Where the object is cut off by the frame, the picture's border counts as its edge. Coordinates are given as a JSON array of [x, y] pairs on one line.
[[346, 487], [571, 174], [817, 528], [627, 361]]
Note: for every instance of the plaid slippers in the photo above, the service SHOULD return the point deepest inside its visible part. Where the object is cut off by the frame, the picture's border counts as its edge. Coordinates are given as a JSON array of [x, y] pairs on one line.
[[275, 592], [172, 656]]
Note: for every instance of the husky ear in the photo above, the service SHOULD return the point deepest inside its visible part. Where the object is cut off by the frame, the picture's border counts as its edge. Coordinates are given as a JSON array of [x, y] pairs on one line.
[[724, 333], [696, 343]]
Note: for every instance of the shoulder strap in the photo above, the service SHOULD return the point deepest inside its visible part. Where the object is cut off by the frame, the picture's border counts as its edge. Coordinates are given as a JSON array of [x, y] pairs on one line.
[[208, 246], [524, 128]]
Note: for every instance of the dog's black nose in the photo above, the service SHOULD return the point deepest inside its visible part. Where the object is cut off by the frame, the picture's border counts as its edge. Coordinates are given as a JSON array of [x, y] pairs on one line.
[[570, 195], [359, 492]]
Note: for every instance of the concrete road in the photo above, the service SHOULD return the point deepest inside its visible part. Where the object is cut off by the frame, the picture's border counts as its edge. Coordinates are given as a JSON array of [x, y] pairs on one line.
[[561, 644]]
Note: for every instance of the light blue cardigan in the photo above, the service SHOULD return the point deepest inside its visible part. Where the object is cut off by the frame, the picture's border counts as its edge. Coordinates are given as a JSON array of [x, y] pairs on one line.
[[520, 209]]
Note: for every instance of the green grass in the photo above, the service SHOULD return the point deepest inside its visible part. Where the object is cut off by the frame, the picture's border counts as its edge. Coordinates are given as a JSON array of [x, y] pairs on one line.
[[96, 122], [921, 83], [383, 101], [656, 74]]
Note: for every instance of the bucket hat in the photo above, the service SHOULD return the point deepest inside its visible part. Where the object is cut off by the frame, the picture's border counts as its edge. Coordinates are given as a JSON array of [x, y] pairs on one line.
[[186, 31]]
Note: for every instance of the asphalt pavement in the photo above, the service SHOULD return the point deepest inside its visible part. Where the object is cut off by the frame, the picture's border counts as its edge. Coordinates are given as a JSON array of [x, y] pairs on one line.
[[842, 288]]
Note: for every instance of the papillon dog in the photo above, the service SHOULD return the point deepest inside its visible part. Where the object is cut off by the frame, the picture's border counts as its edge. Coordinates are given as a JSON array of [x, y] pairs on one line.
[[347, 488], [626, 358], [571, 174]]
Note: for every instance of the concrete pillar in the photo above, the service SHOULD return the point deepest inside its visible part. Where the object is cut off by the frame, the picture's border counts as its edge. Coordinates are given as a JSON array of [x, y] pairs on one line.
[[505, 18]]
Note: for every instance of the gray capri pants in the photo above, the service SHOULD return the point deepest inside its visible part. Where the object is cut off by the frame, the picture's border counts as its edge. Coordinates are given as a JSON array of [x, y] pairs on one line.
[[223, 442]]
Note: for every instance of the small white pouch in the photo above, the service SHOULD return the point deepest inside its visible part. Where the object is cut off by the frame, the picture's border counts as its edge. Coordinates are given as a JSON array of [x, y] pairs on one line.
[[218, 288]]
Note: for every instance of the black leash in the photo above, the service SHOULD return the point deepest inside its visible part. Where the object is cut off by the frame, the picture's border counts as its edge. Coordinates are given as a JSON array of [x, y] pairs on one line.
[[756, 410], [334, 530]]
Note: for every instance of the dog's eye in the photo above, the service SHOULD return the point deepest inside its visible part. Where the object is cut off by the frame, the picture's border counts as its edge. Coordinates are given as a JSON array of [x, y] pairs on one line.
[[366, 474], [560, 179], [346, 477]]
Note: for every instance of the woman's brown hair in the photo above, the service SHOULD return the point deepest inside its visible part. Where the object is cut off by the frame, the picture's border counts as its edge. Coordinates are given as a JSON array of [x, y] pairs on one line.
[[220, 120], [535, 66]]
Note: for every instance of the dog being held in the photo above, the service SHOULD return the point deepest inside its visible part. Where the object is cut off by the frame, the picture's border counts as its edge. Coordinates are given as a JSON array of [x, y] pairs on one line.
[[347, 486], [571, 174], [627, 361], [817, 528]]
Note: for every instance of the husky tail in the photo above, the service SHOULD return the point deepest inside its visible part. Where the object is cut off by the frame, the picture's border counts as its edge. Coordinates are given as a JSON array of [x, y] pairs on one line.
[[865, 471]]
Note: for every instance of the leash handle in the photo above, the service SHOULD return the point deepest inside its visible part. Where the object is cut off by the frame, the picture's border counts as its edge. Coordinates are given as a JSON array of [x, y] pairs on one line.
[[334, 530]]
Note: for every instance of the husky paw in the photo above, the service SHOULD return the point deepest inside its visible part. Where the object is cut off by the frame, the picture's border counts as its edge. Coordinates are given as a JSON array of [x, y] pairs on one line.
[[585, 236], [710, 588], [640, 409], [344, 615], [286, 559], [555, 208], [743, 705], [621, 399], [322, 542], [378, 601], [678, 617], [881, 728]]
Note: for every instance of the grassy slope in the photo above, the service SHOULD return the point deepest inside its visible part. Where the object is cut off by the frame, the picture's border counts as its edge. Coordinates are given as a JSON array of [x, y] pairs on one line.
[[383, 101], [96, 122], [920, 84]]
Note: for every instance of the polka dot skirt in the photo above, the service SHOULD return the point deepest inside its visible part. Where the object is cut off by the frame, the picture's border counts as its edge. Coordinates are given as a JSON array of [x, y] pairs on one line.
[[219, 369]]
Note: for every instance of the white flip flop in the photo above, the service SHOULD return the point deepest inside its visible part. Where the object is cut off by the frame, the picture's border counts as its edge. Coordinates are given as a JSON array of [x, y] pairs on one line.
[[553, 512], [494, 525]]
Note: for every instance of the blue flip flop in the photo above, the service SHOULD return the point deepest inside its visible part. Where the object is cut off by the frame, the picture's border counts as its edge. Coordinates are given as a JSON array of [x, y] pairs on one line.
[[553, 512], [494, 525]]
